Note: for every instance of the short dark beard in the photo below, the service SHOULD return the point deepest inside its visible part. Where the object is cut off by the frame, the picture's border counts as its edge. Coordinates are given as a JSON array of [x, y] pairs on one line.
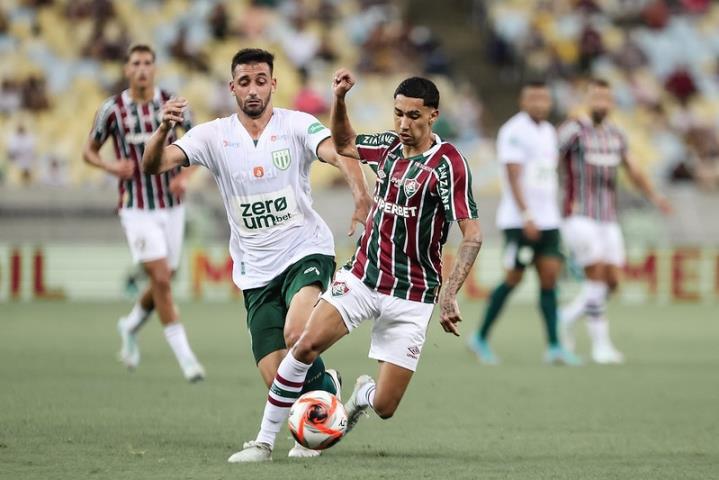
[[253, 113], [598, 116]]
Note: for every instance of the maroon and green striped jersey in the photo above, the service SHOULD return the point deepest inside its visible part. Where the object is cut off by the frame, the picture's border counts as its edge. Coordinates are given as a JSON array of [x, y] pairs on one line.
[[590, 156], [415, 201], [131, 124]]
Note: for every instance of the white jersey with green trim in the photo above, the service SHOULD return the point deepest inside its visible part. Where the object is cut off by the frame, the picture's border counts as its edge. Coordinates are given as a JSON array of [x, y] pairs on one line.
[[266, 190]]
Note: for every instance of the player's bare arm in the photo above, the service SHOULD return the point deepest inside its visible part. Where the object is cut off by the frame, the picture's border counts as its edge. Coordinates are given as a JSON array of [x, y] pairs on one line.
[[343, 134], [466, 255], [157, 157], [514, 172], [123, 169], [642, 182], [352, 173]]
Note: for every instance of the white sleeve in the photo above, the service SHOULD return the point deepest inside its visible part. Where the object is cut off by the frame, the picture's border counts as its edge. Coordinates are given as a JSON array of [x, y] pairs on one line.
[[509, 145], [197, 145], [311, 131]]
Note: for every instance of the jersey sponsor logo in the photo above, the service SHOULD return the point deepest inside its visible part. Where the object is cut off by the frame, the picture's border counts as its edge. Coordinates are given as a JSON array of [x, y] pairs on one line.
[[443, 184], [315, 127], [410, 187], [256, 213], [394, 209], [374, 140], [314, 270], [603, 159], [228, 144], [282, 158], [255, 173], [258, 172], [137, 138], [339, 288]]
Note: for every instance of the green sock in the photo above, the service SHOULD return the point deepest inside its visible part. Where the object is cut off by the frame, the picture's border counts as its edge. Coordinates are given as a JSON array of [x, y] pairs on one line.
[[318, 379], [548, 305], [496, 302]]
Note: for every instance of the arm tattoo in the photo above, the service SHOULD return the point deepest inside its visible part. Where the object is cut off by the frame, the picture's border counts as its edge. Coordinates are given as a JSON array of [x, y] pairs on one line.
[[466, 256]]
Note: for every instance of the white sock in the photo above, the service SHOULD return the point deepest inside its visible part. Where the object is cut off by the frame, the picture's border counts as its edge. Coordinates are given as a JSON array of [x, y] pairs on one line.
[[285, 389], [572, 312], [177, 338], [597, 324], [365, 395], [136, 318]]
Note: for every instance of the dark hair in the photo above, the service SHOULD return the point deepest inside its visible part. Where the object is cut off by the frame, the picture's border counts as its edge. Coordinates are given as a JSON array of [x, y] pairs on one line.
[[418, 87], [139, 47], [535, 83], [252, 55], [598, 82]]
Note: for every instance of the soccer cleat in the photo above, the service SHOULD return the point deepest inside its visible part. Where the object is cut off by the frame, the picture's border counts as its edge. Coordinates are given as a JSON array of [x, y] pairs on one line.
[[129, 351], [298, 451], [353, 409], [193, 371], [252, 451], [481, 349], [557, 355], [607, 355], [337, 379]]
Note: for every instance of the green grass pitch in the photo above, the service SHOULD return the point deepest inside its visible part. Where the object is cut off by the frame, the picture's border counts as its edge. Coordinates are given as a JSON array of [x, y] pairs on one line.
[[69, 410]]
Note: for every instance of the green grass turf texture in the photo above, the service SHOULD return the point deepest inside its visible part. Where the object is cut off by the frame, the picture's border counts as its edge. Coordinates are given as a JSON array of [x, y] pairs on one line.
[[69, 410]]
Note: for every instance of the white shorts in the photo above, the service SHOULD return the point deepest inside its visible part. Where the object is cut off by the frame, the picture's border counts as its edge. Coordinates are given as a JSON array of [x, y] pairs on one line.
[[591, 241], [154, 234], [400, 326]]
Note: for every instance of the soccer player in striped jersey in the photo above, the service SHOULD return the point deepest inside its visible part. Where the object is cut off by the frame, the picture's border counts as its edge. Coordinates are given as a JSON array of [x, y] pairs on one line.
[[282, 250], [591, 151], [150, 206], [423, 186], [529, 217]]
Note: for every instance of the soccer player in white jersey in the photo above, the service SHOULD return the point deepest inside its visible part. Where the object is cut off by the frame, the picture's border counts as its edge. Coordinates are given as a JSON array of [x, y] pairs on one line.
[[283, 252], [528, 215], [591, 151], [150, 206], [423, 186]]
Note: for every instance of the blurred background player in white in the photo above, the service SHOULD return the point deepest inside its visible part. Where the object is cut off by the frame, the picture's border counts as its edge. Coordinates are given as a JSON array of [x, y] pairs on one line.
[[529, 218], [591, 151], [423, 186], [150, 206], [283, 251]]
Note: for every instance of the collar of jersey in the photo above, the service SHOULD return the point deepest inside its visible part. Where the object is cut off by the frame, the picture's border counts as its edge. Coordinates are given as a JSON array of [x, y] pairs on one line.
[[421, 156], [128, 99]]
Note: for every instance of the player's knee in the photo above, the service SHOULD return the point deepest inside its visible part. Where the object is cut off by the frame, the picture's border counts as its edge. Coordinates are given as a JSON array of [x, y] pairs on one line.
[[514, 277], [305, 350], [612, 285], [384, 409], [292, 336], [161, 280]]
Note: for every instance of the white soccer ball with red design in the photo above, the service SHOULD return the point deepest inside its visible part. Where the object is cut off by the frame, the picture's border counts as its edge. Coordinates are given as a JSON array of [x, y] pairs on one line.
[[317, 420]]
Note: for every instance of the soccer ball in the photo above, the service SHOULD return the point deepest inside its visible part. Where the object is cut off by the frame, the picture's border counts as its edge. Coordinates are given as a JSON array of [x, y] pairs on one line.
[[317, 420]]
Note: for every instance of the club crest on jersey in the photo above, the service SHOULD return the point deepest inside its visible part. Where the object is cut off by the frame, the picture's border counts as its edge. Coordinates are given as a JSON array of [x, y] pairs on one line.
[[410, 187], [282, 158], [339, 289]]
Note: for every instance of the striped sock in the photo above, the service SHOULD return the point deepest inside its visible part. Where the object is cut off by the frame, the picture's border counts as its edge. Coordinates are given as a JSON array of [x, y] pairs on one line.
[[365, 395], [284, 391]]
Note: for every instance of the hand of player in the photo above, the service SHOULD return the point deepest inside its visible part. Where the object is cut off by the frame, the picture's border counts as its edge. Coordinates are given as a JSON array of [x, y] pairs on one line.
[[449, 315], [343, 82], [178, 186], [172, 112], [359, 216], [530, 230], [124, 169]]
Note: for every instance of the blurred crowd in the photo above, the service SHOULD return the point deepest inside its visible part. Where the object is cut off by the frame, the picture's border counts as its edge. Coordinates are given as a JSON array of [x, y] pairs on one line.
[[661, 56], [60, 58]]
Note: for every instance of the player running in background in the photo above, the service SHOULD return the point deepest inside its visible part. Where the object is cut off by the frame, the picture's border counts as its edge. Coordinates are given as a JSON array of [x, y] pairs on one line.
[[591, 151], [150, 207], [423, 185], [528, 215], [283, 252]]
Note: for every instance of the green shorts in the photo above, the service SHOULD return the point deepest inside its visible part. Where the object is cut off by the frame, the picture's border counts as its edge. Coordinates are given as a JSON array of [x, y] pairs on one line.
[[267, 306], [519, 251]]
